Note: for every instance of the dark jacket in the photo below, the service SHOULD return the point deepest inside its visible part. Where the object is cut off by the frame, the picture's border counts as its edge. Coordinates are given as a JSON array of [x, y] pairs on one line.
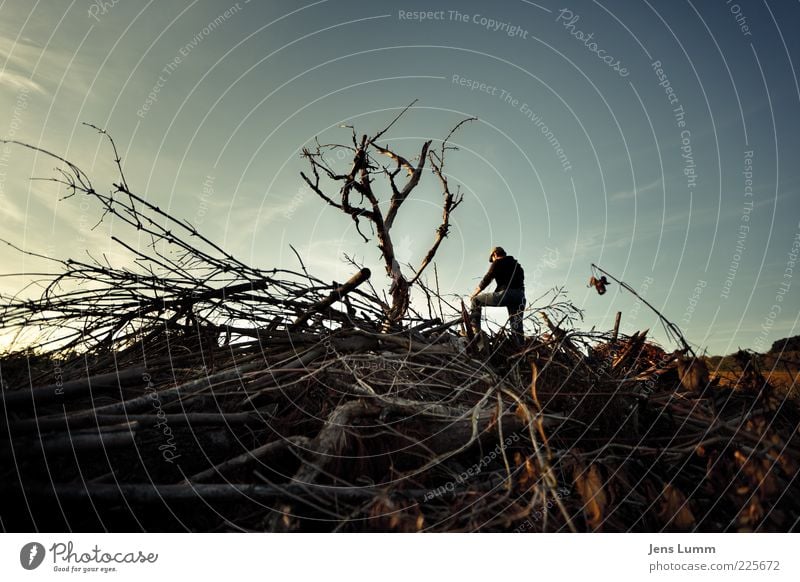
[[507, 272]]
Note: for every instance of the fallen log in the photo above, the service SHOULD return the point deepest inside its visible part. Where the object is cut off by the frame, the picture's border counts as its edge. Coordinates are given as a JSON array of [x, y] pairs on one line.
[[167, 395], [111, 437], [250, 457], [71, 389], [68, 421]]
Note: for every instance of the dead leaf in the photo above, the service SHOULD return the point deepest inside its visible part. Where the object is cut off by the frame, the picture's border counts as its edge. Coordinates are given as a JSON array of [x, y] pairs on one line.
[[675, 510], [589, 485]]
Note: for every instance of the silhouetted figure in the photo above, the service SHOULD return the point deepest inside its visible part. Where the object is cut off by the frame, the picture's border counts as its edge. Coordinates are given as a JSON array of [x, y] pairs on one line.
[[509, 293]]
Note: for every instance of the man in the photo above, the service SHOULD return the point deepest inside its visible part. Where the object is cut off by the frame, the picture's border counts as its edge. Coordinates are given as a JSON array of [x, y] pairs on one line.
[[509, 293]]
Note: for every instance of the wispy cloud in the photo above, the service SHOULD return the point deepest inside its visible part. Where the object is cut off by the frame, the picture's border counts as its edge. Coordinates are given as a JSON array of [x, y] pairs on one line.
[[590, 240], [629, 194], [24, 63], [17, 81], [10, 212]]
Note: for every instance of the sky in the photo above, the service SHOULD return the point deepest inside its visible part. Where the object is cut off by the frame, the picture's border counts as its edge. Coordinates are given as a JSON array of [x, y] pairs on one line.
[[657, 139]]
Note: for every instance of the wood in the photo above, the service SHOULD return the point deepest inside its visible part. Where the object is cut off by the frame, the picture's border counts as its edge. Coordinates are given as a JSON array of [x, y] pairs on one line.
[[332, 439], [635, 343], [359, 180], [272, 379], [336, 295], [454, 434], [245, 459], [148, 493], [118, 436], [145, 402], [615, 333], [73, 388], [51, 423]]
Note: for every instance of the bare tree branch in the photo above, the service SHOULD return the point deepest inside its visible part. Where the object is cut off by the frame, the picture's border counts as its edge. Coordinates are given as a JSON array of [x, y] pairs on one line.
[[360, 179]]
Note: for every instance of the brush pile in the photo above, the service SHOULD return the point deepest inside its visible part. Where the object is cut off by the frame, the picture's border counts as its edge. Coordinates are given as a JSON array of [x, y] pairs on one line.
[[197, 393], [354, 430]]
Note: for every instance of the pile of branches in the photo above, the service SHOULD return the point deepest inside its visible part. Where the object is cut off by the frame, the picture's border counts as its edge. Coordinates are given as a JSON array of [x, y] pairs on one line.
[[198, 393], [355, 430], [178, 282]]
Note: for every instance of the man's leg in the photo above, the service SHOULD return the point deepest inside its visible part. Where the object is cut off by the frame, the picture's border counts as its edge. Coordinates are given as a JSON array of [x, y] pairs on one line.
[[515, 304], [515, 316], [482, 300]]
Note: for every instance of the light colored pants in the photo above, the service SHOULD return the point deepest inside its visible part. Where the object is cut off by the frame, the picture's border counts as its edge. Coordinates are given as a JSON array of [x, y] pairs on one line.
[[512, 299]]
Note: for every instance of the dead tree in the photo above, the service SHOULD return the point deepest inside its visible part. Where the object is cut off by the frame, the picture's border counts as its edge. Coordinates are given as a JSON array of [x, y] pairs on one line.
[[359, 181]]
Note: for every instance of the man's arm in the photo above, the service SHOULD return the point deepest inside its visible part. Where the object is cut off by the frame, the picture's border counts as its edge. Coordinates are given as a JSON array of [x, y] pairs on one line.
[[487, 278]]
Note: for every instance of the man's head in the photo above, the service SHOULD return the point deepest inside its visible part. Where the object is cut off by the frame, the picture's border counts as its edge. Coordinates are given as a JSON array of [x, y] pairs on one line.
[[497, 253]]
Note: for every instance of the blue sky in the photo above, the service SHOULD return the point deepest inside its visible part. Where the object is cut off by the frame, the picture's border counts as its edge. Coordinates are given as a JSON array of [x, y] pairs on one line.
[[636, 162]]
